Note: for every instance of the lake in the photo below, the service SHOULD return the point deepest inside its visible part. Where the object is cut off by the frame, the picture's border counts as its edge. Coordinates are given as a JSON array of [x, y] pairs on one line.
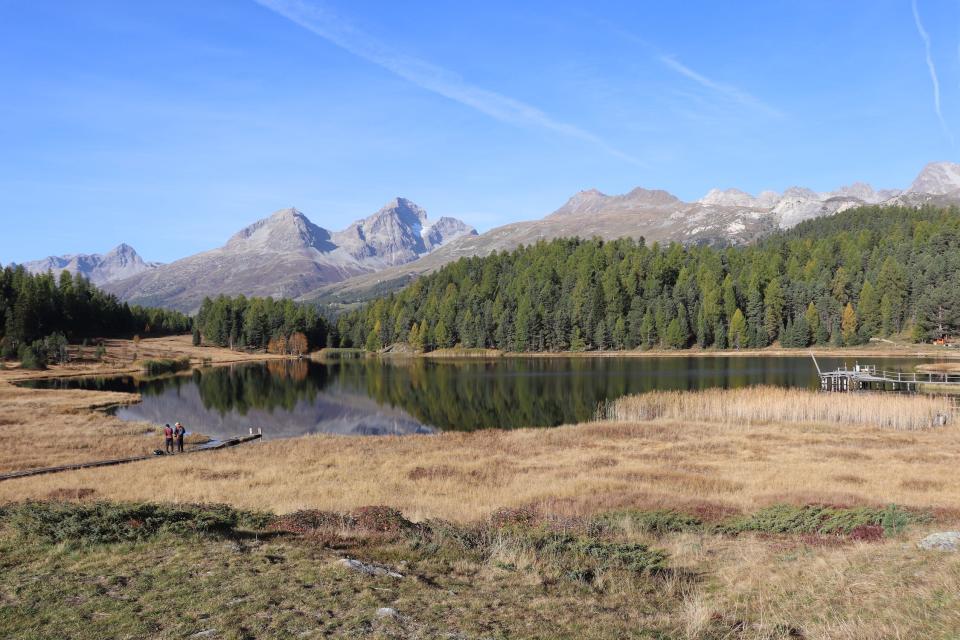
[[374, 397]]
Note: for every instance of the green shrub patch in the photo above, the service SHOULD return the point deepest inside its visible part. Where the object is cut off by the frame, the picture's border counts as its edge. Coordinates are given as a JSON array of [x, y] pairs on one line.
[[657, 522], [107, 522], [825, 520]]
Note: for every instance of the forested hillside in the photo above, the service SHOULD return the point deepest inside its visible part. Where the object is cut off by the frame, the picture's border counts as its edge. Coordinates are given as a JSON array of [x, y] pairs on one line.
[[840, 280], [46, 311], [279, 326]]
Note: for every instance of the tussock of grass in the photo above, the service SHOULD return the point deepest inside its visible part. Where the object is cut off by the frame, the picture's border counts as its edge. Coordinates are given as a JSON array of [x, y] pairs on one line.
[[765, 405]]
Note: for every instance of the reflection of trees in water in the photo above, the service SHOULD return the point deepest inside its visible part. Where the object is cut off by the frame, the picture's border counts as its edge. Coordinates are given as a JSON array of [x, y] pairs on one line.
[[296, 370], [278, 385], [546, 392], [463, 395], [471, 395]]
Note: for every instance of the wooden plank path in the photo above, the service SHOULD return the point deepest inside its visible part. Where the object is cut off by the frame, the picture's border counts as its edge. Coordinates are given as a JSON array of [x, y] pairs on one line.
[[868, 378], [232, 442]]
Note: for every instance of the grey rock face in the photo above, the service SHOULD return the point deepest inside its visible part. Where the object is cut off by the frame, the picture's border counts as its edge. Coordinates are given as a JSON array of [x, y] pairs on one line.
[[944, 541], [286, 255], [119, 263], [937, 178]]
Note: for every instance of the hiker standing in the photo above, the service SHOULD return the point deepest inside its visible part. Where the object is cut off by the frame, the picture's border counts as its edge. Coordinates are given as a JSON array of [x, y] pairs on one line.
[[168, 438], [179, 432]]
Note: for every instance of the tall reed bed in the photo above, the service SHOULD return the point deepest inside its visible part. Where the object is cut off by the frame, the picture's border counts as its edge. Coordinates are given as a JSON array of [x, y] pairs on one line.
[[765, 405]]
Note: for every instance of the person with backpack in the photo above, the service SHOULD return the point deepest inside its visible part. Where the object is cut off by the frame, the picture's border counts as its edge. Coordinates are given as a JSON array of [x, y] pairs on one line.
[[168, 438], [179, 431]]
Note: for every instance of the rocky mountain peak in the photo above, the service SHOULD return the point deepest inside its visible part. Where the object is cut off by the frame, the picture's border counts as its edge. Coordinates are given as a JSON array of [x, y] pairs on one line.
[[728, 198], [120, 262], [937, 178], [651, 197], [399, 232], [285, 230]]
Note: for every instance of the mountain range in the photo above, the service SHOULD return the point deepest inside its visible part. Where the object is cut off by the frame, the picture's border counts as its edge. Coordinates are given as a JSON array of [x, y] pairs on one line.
[[286, 255], [120, 262], [720, 217]]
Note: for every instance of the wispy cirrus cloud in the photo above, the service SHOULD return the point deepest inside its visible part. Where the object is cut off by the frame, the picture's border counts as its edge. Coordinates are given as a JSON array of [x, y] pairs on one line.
[[326, 24], [727, 90], [928, 46], [723, 89]]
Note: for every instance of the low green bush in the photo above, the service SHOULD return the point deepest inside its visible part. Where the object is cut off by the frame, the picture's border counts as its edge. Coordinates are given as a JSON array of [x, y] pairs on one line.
[[582, 558], [107, 522], [657, 522], [822, 519]]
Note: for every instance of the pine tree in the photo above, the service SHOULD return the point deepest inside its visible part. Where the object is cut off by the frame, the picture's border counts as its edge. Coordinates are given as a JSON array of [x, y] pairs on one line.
[[635, 324], [848, 325], [675, 337], [720, 335], [601, 337], [738, 330], [812, 317], [619, 333], [755, 321], [413, 337], [868, 310], [648, 331], [773, 302], [576, 341]]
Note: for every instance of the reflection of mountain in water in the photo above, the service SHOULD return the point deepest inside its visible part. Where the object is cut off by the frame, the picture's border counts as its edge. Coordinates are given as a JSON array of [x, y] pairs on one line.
[[228, 401], [347, 415], [373, 396]]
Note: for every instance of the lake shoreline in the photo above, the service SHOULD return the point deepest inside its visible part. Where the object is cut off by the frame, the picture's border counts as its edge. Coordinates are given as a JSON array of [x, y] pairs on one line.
[[885, 351]]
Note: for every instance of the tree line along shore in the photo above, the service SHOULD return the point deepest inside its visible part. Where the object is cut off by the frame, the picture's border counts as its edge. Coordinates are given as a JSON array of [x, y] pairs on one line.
[[840, 281], [831, 282]]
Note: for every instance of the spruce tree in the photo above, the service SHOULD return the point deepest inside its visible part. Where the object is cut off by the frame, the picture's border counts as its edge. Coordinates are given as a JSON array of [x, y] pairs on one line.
[[738, 331]]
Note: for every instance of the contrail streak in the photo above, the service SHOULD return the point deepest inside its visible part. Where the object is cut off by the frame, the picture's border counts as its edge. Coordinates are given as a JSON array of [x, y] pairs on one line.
[[427, 75], [933, 69], [727, 90]]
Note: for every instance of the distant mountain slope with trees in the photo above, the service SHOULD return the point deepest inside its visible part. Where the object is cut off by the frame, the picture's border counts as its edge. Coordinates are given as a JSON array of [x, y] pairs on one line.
[[40, 313], [841, 280]]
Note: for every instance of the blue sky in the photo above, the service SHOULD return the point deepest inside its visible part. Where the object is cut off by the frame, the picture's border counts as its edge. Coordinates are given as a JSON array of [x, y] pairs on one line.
[[170, 125]]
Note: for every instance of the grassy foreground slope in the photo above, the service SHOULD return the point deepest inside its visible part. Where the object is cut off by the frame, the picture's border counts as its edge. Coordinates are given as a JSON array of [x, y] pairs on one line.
[[161, 571]]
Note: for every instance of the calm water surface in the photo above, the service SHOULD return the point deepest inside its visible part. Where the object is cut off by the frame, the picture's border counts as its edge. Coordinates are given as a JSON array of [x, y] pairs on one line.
[[370, 397]]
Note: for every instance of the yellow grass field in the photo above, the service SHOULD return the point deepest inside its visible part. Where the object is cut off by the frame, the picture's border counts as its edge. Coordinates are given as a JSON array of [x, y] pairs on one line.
[[47, 427], [713, 454], [574, 470]]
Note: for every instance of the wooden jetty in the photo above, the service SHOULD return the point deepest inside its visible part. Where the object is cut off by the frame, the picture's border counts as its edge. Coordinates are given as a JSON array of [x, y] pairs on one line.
[[223, 444], [869, 378]]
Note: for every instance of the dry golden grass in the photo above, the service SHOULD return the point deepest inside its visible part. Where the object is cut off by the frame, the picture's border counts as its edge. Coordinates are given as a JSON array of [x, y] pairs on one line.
[[125, 356], [707, 468], [761, 589], [46, 427], [765, 405], [43, 428]]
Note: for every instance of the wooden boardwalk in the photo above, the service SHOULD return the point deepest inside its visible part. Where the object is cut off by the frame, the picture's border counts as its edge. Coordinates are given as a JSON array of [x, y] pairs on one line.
[[232, 442], [869, 378]]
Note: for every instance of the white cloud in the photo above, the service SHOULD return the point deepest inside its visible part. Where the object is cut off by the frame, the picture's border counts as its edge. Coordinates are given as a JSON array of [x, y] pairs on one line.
[[933, 69], [729, 91], [427, 75]]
